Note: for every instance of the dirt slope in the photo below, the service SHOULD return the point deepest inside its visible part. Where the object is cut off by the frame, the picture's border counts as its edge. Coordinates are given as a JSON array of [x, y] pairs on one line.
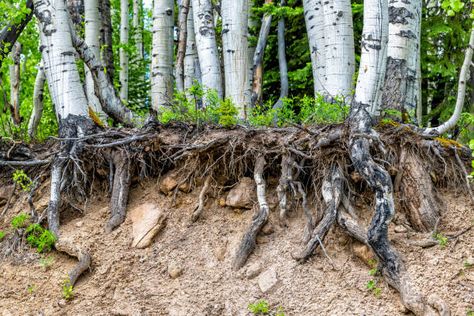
[[128, 281]]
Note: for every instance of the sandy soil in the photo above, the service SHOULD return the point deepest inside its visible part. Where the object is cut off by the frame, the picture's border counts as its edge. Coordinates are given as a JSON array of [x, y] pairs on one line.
[[128, 281]]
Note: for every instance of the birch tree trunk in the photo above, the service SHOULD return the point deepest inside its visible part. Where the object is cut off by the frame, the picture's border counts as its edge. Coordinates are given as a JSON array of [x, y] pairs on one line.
[[124, 31], [182, 43], [59, 59], [400, 90], [257, 68], [251, 24], [339, 48], [38, 96], [373, 58], [206, 45], [282, 64], [235, 47], [76, 10], [137, 27], [92, 39], [192, 69], [314, 18], [162, 54], [107, 55], [15, 83]]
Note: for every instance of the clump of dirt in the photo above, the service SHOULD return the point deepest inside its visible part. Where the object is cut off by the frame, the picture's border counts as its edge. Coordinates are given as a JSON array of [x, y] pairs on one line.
[[188, 268]]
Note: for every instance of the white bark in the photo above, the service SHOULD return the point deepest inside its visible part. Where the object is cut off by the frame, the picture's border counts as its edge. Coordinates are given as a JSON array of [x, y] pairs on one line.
[[463, 77], [339, 48], [373, 56], [38, 96], [124, 30], [162, 54], [92, 38], [192, 70], [207, 46], [401, 82], [314, 17], [234, 42], [136, 23], [251, 23], [14, 70], [59, 59]]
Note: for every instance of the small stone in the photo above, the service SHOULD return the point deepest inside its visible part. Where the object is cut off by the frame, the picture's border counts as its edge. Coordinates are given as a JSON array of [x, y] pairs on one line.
[[243, 194], [363, 253], [222, 202], [62, 303], [185, 187], [174, 271], [263, 239], [400, 229], [79, 224], [469, 262], [267, 229], [253, 270], [168, 183], [267, 280], [220, 253]]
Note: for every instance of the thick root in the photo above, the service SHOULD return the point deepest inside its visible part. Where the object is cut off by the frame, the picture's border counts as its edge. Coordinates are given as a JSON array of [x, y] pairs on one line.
[[202, 200], [379, 180], [332, 194], [55, 199], [307, 212], [67, 246], [418, 199], [282, 189], [121, 185], [247, 245]]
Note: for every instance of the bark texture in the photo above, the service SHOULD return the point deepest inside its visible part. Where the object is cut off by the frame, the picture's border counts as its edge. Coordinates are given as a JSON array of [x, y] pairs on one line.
[[373, 56], [162, 54], [137, 27], [400, 91], [182, 43], [235, 51], [124, 34], [339, 48], [282, 63], [107, 56], [207, 46], [192, 69], [38, 96], [15, 84], [314, 18]]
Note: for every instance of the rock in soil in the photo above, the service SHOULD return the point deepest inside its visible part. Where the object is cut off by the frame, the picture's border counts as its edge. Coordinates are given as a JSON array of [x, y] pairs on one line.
[[363, 253], [147, 221], [267, 280], [174, 270], [243, 194], [253, 270], [168, 183]]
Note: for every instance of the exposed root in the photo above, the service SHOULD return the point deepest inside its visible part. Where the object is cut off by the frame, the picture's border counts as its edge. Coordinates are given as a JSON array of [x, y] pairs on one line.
[[332, 194], [307, 212], [247, 245], [380, 182], [202, 200], [121, 185], [67, 246], [285, 177], [465, 174], [55, 195]]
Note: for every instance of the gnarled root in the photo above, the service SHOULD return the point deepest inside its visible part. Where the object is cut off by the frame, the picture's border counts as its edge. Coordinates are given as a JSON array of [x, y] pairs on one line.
[[247, 245], [121, 185], [202, 200], [55, 198], [307, 212], [417, 195], [332, 194], [379, 180], [285, 178], [67, 246]]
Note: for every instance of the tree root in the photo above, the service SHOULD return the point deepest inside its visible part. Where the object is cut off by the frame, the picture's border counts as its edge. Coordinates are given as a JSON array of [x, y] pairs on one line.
[[202, 200], [332, 194], [67, 246], [247, 245], [286, 176], [379, 180], [307, 212], [121, 185]]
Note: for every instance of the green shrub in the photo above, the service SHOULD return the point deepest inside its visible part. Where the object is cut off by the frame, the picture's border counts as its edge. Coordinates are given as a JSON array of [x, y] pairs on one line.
[[2, 235], [41, 239], [260, 307], [20, 221], [22, 179], [68, 290]]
